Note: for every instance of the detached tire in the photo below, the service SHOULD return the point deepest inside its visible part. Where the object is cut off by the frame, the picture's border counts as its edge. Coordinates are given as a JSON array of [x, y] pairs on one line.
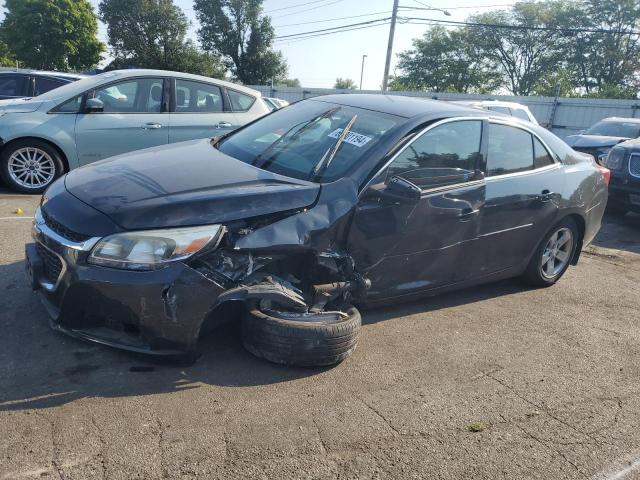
[[306, 343], [553, 255]]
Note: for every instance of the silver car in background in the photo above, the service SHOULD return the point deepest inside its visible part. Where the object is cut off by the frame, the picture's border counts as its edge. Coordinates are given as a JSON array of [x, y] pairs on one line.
[[512, 109], [113, 113]]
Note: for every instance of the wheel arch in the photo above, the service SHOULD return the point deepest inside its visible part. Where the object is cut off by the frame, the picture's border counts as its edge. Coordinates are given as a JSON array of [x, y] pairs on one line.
[[63, 156], [581, 224]]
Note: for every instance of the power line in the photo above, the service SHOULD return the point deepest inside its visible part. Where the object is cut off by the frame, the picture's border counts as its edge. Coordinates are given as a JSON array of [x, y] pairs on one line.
[[332, 19], [295, 6], [368, 22], [431, 21], [309, 9], [295, 39]]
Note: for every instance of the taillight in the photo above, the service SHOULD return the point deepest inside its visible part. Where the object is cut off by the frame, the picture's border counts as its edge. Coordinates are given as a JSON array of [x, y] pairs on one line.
[[606, 173]]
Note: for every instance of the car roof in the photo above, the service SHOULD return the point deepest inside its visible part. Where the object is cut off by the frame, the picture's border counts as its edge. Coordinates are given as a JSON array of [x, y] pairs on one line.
[[621, 119], [497, 103], [399, 105], [137, 72], [45, 73]]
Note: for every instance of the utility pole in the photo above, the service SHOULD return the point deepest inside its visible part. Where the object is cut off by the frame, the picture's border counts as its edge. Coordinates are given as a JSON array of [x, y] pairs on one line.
[[362, 70], [392, 31]]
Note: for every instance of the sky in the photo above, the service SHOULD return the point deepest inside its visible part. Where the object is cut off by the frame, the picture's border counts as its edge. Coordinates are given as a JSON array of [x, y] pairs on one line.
[[317, 62]]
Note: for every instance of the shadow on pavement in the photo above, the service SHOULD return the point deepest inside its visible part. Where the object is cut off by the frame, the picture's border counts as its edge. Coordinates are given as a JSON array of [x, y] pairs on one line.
[[619, 232], [40, 368]]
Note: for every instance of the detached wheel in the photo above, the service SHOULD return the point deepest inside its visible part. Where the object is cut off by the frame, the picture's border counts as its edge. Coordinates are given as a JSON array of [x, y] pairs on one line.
[[307, 340], [30, 166], [553, 255]]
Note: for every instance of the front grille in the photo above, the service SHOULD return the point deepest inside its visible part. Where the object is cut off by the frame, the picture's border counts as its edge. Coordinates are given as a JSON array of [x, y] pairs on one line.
[[51, 264], [634, 165], [62, 230]]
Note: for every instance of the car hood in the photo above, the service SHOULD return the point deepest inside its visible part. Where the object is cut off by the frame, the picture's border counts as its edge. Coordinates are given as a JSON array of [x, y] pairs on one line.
[[189, 183], [19, 105], [593, 141]]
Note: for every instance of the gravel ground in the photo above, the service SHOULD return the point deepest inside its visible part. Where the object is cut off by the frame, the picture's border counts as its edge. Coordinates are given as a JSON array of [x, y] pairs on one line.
[[498, 381]]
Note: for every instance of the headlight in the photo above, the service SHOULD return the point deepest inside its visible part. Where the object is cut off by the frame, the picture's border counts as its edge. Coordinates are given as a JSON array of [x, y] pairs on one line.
[[152, 249], [602, 156], [614, 159]]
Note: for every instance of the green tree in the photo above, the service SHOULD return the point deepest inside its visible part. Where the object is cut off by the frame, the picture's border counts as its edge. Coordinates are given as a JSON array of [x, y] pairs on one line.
[[521, 55], [238, 32], [344, 84], [288, 82], [151, 34], [52, 34], [604, 63], [6, 56], [444, 61]]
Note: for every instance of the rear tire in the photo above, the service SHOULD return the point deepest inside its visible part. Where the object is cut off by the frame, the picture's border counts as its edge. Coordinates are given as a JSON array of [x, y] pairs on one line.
[[553, 255], [30, 165], [305, 343]]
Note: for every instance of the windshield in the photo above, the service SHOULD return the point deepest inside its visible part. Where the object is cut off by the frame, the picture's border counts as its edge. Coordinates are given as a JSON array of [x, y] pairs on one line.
[[294, 140], [615, 129], [75, 88]]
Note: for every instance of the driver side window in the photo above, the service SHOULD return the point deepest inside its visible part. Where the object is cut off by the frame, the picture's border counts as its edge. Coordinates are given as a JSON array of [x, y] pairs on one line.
[[445, 155]]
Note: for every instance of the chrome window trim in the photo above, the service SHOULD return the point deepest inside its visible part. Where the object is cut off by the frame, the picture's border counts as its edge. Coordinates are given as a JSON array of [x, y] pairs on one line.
[[416, 137], [510, 122], [629, 164]]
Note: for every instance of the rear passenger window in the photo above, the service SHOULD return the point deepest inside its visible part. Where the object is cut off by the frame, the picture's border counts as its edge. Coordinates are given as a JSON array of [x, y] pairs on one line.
[[541, 155], [196, 97], [239, 101], [445, 155], [510, 150], [43, 85]]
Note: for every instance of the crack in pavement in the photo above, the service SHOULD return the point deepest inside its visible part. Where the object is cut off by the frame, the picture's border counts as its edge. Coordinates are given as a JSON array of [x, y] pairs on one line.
[[382, 417], [54, 445], [103, 444]]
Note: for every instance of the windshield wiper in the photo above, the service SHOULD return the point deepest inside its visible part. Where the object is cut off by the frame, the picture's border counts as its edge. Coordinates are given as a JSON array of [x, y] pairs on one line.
[[331, 152], [305, 126]]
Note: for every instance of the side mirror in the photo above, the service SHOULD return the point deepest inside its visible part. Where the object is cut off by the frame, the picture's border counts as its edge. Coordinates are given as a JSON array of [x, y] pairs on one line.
[[400, 190], [581, 132], [93, 105]]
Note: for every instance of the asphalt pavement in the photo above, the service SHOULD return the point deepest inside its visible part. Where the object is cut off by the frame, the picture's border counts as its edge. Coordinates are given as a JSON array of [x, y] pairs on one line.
[[498, 381]]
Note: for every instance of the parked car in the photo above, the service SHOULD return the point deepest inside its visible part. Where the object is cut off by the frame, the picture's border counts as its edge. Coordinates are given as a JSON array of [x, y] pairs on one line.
[[512, 109], [601, 137], [275, 103], [31, 83], [624, 190], [333, 201], [113, 113]]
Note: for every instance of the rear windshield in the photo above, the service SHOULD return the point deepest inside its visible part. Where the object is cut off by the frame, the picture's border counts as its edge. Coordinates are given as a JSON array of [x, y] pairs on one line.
[[615, 129], [297, 141]]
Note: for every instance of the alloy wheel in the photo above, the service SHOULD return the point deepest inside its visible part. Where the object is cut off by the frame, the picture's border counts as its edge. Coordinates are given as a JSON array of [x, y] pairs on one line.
[[31, 167], [557, 253]]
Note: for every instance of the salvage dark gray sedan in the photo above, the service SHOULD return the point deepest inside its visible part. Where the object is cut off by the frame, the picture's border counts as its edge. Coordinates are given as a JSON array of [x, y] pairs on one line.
[[293, 219]]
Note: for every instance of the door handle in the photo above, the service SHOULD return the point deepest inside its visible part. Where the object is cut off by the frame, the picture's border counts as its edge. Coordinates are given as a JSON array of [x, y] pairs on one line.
[[467, 213], [151, 126], [545, 196], [224, 125]]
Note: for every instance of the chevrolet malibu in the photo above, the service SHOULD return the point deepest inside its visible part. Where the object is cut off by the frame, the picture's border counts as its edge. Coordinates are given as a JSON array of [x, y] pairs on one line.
[[112, 113], [287, 223]]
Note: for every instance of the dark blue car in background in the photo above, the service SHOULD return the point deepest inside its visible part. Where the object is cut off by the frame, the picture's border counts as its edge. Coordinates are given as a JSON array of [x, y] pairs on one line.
[[31, 83]]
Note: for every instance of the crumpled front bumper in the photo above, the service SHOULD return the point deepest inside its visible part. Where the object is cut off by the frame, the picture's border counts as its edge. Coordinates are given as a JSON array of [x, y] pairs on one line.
[[156, 312]]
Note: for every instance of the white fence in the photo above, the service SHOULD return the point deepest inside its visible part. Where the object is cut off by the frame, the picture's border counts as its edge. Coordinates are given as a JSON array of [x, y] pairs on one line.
[[563, 116]]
